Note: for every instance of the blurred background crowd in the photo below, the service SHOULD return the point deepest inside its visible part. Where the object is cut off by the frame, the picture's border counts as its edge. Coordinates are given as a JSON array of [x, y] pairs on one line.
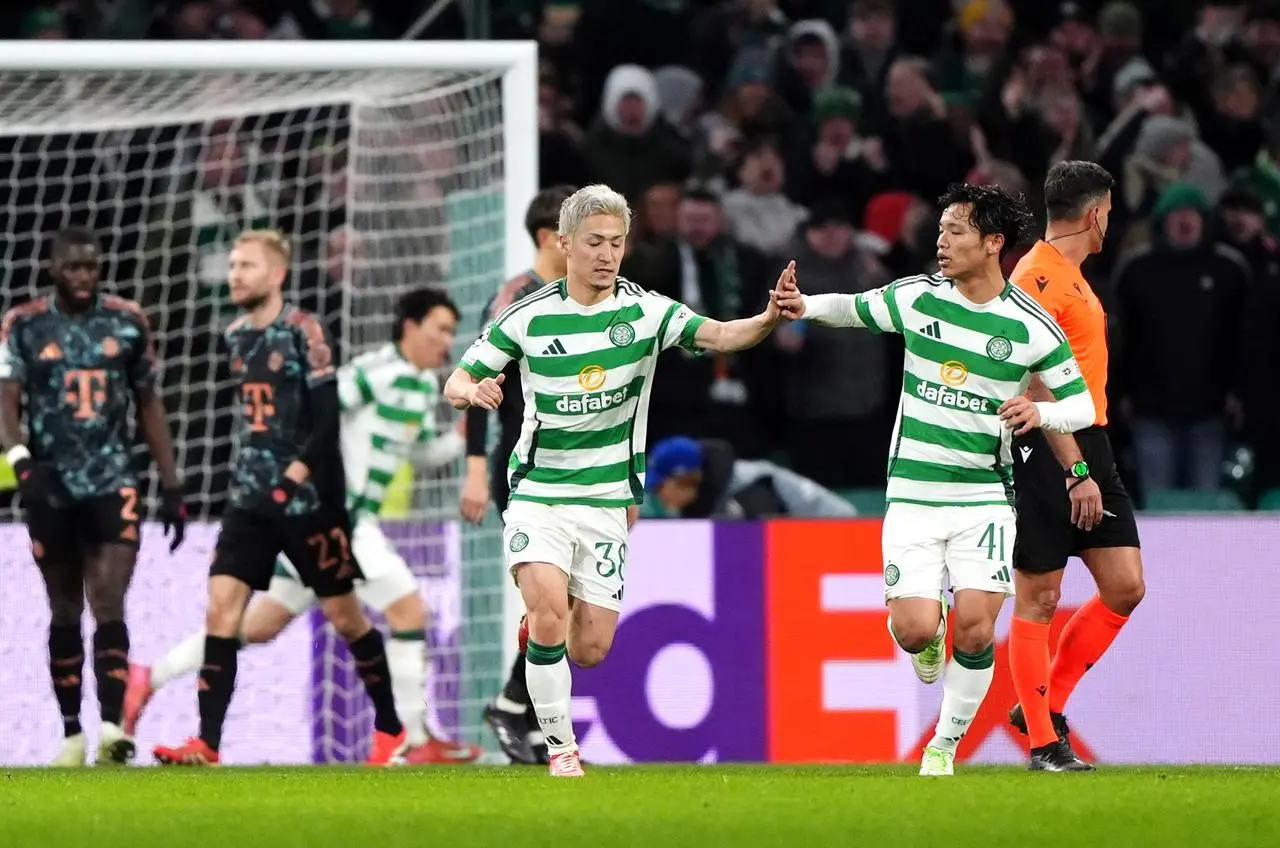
[[749, 132]]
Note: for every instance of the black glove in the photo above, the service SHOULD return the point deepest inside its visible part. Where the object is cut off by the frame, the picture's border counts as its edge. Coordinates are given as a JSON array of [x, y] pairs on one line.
[[36, 483], [278, 501], [173, 515]]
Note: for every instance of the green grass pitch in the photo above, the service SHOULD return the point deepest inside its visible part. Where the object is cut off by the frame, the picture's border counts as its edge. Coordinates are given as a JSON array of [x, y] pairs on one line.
[[739, 806]]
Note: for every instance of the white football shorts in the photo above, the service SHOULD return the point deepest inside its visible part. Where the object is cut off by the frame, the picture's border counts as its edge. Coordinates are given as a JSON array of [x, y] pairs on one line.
[[970, 545], [588, 543]]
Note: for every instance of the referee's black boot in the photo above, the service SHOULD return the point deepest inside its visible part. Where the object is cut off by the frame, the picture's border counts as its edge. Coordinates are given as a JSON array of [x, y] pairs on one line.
[[1057, 756], [1019, 722]]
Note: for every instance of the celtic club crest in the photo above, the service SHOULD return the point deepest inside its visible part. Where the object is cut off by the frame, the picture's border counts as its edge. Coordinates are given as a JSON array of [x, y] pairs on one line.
[[622, 335], [999, 348]]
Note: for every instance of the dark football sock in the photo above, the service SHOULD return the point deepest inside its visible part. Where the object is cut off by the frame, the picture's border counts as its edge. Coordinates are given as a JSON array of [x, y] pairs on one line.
[[217, 683], [371, 662], [111, 668], [66, 667]]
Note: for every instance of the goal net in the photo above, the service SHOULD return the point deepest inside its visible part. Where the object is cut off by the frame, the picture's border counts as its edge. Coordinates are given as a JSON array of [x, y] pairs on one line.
[[389, 167]]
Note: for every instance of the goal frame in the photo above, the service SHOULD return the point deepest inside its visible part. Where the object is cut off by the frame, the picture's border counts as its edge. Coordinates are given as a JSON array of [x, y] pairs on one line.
[[518, 61]]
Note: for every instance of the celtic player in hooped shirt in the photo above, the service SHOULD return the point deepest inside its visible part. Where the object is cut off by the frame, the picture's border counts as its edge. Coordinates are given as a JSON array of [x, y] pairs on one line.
[[973, 340], [587, 346]]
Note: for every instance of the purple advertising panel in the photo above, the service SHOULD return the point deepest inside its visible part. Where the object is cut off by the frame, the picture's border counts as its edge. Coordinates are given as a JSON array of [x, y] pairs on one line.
[[269, 720], [684, 680], [297, 700]]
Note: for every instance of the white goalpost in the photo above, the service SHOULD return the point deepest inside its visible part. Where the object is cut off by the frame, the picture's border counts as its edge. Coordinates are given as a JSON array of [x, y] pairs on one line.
[[389, 165]]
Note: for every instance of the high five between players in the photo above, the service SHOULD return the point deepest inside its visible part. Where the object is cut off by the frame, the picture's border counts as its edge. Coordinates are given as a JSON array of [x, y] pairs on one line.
[[587, 347]]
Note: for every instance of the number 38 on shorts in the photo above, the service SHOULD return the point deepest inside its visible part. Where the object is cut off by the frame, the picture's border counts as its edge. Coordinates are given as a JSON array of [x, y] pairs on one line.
[[925, 547], [588, 543]]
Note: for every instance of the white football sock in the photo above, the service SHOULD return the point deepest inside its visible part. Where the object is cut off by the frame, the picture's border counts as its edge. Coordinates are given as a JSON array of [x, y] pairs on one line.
[[183, 658], [964, 684], [407, 659], [550, 689]]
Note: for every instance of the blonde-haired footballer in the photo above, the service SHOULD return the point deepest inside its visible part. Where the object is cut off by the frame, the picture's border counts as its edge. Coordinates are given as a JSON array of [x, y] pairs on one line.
[[587, 347]]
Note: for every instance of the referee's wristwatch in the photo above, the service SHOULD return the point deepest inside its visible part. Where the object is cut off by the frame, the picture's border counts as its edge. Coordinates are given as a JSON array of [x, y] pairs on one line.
[[1078, 470]]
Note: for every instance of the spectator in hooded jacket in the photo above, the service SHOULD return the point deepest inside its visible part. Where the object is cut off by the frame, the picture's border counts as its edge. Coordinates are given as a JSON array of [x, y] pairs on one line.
[[703, 479]]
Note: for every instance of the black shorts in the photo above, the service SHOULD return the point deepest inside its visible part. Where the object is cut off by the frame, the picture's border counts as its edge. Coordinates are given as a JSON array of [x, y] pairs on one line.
[[1046, 536], [318, 545], [70, 531]]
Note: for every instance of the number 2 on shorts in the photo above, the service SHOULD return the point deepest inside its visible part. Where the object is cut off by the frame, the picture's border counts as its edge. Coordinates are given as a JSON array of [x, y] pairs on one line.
[[991, 537], [129, 504]]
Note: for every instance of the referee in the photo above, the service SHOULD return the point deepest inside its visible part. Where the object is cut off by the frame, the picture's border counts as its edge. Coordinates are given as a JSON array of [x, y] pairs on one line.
[[1070, 499]]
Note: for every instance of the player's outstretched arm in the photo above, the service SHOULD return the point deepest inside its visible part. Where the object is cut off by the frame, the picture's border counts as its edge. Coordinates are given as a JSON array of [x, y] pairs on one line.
[[870, 309], [745, 333]]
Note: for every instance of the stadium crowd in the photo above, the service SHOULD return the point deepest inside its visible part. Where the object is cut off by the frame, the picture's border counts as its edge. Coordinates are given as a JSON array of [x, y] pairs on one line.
[[749, 132]]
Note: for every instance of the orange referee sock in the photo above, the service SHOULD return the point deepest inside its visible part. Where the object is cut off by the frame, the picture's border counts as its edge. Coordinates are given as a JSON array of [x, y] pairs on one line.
[[1085, 638], [1029, 666]]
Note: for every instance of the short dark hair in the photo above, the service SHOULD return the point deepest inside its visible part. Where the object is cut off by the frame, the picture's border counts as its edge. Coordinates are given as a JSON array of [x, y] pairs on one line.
[[992, 211], [73, 237], [1073, 186], [417, 305], [544, 210]]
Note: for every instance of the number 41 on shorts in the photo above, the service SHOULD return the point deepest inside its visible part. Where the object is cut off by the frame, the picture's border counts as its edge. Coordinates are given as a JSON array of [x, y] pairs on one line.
[[993, 540]]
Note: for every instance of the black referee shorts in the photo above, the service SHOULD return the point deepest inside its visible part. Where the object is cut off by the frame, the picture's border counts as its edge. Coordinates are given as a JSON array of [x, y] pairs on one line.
[[1046, 536]]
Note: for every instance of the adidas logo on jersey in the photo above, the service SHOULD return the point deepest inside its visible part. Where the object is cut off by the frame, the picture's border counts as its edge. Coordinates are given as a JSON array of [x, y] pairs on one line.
[[933, 331], [1001, 576], [556, 348]]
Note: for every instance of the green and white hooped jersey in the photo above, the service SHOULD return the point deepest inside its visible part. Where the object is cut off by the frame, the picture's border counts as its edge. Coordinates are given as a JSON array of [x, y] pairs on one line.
[[388, 410], [963, 361], [587, 374]]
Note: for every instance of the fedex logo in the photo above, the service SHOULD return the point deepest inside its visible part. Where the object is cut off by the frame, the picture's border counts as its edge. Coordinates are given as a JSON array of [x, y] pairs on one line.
[[839, 687]]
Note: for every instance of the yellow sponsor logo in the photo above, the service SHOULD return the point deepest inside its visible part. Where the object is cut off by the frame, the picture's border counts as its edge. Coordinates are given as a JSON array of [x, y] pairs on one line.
[[591, 378], [953, 373]]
